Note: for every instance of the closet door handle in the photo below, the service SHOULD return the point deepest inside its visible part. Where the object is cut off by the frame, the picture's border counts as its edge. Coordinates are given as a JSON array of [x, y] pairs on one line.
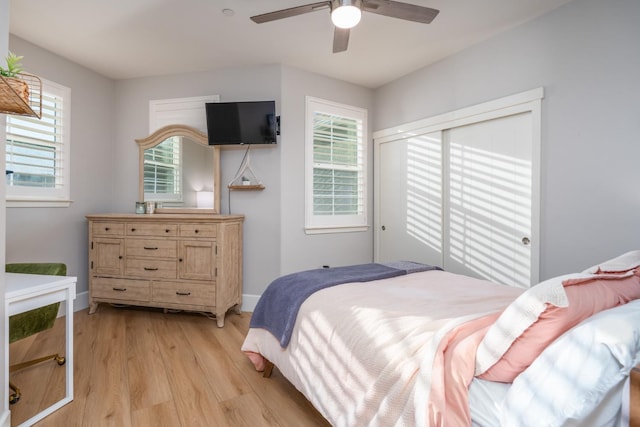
[[526, 241]]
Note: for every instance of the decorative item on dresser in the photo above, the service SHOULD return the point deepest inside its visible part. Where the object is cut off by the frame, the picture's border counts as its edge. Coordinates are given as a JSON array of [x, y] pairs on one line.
[[171, 261]]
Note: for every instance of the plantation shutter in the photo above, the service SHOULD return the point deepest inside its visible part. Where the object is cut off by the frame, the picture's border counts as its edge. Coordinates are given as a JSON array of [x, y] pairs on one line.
[[35, 147], [338, 165]]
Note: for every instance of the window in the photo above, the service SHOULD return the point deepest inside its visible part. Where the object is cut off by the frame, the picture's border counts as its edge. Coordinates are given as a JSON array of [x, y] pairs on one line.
[[335, 167], [37, 152], [162, 171]]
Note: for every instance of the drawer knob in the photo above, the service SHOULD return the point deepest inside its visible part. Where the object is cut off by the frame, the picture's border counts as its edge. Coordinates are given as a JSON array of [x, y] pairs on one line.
[[107, 229], [180, 259], [120, 257], [151, 268], [120, 289], [184, 294], [196, 231], [133, 229], [167, 230]]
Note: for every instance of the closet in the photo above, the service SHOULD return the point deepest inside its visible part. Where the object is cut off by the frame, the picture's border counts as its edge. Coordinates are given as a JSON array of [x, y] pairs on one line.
[[461, 190]]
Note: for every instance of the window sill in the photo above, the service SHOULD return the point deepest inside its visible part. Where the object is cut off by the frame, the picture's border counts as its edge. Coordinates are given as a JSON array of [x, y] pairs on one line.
[[328, 230], [25, 203]]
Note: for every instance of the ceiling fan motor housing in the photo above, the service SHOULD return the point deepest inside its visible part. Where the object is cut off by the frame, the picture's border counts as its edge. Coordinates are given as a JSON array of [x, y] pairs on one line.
[[346, 13]]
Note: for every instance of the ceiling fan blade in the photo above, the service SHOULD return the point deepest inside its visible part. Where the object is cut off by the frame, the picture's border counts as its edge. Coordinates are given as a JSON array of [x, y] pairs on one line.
[[292, 11], [396, 9], [340, 39]]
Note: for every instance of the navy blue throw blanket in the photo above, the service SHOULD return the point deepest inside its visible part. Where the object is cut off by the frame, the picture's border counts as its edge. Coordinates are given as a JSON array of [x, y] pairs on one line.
[[278, 306]]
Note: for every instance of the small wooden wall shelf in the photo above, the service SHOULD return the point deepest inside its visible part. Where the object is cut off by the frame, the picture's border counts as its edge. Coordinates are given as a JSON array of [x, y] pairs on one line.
[[21, 95], [246, 187]]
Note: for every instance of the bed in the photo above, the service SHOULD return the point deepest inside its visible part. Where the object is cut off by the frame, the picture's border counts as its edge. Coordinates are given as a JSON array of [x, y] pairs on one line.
[[425, 347]]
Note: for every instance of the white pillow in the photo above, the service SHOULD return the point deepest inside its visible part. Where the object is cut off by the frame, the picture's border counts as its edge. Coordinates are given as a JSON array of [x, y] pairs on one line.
[[517, 318], [623, 262], [578, 379]]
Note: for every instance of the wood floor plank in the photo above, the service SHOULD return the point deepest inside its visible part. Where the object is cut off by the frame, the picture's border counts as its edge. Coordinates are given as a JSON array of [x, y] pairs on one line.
[[142, 367], [215, 361], [195, 400], [107, 401], [162, 414], [247, 410], [148, 382]]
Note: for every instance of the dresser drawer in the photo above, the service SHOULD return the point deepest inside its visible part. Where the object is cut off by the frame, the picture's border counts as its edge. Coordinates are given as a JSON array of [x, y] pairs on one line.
[[183, 293], [152, 229], [150, 268], [155, 248], [121, 289], [198, 230], [107, 228]]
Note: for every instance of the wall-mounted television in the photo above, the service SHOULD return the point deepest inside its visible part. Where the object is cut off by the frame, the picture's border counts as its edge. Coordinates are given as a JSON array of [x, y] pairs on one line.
[[232, 123]]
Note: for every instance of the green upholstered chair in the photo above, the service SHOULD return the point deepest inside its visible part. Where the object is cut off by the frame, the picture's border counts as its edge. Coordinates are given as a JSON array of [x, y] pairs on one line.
[[31, 322]]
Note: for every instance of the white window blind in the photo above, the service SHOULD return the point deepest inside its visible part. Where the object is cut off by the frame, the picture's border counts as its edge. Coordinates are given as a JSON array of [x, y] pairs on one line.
[[162, 171], [37, 151], [336, 169]]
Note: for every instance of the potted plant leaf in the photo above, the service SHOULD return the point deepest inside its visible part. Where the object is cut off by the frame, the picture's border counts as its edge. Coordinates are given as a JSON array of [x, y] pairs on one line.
[[11, 75]]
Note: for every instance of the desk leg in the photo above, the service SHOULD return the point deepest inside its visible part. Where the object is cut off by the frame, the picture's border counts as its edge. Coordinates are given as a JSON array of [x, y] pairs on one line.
[[69, 355]]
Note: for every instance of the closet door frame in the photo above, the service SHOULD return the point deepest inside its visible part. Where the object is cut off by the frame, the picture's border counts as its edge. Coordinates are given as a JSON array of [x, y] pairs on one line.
[[524, 102]]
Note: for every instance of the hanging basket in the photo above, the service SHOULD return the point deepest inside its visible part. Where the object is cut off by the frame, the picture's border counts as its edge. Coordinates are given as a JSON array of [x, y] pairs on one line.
[[21, 95]]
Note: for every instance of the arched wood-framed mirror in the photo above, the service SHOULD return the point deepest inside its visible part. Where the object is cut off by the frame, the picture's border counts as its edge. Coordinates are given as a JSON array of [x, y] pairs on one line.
[[178, 168]]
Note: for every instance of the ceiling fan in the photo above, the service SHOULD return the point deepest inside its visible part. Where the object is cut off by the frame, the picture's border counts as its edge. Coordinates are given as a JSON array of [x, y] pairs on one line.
[[345, 14]]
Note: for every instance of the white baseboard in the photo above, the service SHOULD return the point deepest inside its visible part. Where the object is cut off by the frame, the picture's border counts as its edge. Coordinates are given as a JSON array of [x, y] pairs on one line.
[[5, 419], [82, 302], [249, 302]]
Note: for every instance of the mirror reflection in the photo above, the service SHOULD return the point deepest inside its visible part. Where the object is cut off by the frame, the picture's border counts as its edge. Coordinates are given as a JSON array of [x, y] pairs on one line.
[[179, 170]]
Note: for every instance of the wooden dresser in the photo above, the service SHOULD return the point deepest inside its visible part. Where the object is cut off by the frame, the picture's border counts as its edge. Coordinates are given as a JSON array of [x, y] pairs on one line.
[[172, 261]]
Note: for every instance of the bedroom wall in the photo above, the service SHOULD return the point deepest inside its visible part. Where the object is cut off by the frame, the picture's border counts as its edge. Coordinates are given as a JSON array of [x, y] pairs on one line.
[[60, 234], [274, 240], [585, 55], [107, 116], [261, 239], [301, 251]]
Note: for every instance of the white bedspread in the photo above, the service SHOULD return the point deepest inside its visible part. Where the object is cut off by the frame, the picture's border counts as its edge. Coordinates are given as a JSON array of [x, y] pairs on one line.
[[360, 351]]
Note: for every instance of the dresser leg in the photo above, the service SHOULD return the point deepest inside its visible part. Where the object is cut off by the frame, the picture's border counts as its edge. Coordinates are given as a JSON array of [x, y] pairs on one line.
[[220, 320], [93, 306]]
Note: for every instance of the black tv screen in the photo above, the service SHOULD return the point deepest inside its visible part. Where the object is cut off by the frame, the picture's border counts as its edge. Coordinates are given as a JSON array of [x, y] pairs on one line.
[[230, 123]]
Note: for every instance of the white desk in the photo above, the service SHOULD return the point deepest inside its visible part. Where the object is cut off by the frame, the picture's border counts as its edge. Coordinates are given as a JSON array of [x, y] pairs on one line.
[[24, 292]]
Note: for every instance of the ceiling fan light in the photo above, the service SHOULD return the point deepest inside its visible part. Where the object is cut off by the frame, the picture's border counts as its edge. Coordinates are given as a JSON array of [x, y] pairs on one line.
[[346, 16]]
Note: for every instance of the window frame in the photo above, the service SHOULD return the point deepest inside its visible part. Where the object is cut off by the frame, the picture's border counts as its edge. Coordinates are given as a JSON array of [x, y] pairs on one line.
[[60, 196], [320, 224]]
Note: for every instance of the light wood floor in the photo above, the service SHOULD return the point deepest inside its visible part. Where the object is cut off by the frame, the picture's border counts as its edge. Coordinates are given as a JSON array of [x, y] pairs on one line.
[[141, 367]]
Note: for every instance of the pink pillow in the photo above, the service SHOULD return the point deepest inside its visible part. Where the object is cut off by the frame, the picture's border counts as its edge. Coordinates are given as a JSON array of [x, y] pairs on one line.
[[586, 297]]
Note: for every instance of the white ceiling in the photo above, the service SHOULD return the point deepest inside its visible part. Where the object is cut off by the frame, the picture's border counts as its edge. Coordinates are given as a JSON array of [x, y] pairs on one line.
[[124, 39]]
